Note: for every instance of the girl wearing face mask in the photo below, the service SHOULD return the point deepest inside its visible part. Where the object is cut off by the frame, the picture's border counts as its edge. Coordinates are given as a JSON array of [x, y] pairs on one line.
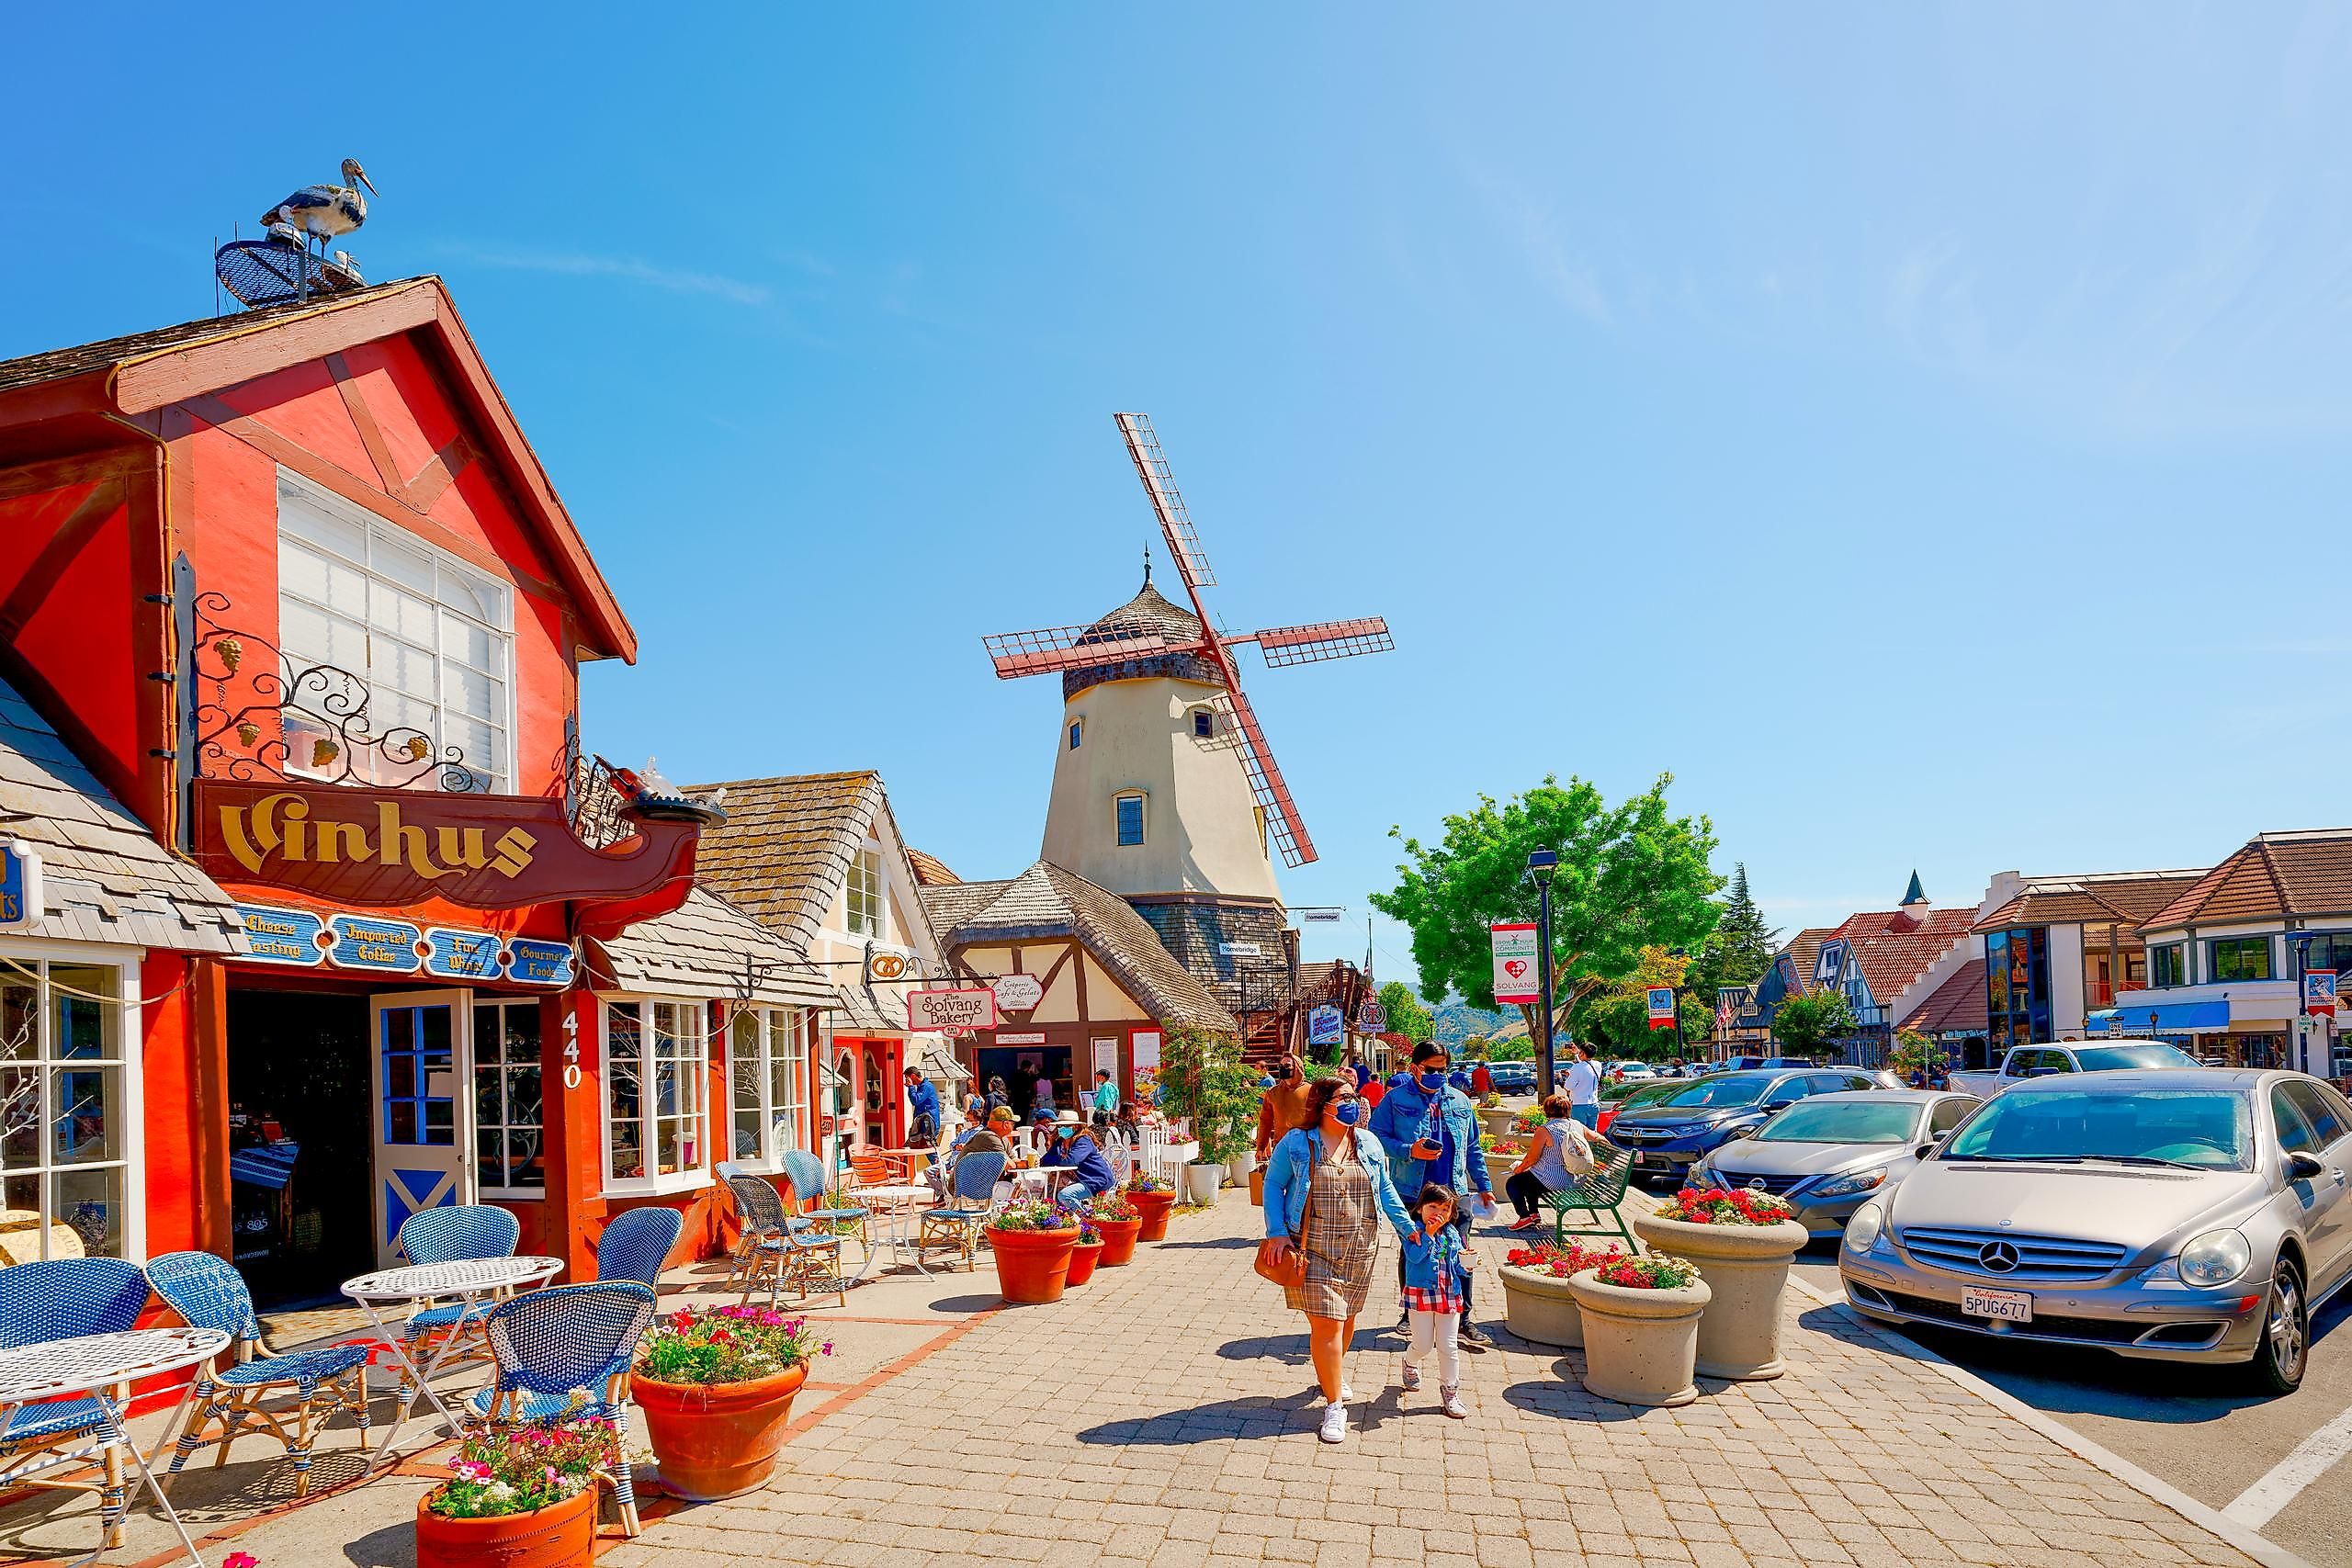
[[1327, 1189]]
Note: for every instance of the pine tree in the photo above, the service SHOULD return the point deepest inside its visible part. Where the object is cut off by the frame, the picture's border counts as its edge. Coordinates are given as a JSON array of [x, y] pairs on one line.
[[1739, 949]]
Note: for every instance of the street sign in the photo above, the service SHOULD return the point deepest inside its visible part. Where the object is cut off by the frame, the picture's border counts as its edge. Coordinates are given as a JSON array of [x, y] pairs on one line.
[[2319, 992], [1325, 1025], [1371, 1018], [1515, 964], [1018, 993], [1661, 1007], [952, 1007], [19, 886]]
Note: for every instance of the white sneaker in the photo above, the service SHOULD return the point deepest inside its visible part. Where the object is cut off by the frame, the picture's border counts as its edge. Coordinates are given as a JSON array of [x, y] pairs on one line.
[[1450, 1401], [1335, 1422], [1347, 1395], [1412, 1379]]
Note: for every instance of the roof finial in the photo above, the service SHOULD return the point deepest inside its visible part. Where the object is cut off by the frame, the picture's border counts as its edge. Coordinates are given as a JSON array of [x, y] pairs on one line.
[[1147, 565], [1914, 894]]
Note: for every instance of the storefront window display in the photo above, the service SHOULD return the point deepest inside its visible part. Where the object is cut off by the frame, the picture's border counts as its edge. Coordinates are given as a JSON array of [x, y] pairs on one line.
[[65, 1137], [767, 1075], [507, 1101], [654, 1053]]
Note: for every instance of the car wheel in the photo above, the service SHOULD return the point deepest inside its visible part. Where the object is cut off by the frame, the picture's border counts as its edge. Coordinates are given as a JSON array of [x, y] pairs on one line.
[[2285, 1347]]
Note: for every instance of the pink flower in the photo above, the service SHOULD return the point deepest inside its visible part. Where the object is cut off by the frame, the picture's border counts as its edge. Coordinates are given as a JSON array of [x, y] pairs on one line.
[[464, 1470], [826, 1349], [240, 1559]]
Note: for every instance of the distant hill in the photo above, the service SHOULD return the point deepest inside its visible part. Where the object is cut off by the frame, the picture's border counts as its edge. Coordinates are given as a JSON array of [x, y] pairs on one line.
[[1457, 1020]]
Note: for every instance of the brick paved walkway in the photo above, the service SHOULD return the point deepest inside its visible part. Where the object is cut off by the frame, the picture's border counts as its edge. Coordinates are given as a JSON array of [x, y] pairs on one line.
[[1163, 1415]]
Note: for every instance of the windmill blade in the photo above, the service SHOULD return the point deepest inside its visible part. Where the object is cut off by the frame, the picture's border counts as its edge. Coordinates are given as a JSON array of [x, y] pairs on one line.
[[1324, 640], [1167, 502], [1070, 648], [1282, 821]]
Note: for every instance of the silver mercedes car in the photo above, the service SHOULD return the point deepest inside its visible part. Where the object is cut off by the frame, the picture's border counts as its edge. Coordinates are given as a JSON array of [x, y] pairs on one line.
[[2182, 1214], [1829, 1154]]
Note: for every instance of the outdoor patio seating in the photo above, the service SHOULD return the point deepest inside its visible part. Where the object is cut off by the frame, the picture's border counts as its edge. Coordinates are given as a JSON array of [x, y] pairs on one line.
[[65, 1298], [805, 1174], [783, 1248], [454, 1233], [549, 1346], [1597, 1196], [207, 1294], [975, 1178], [636, 1244]]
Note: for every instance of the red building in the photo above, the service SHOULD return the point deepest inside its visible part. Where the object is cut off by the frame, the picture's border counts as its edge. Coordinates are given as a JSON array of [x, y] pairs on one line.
[[295, 596]]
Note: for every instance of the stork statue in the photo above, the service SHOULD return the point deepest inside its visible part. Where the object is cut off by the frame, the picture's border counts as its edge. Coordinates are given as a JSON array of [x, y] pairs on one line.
[[324, 213]]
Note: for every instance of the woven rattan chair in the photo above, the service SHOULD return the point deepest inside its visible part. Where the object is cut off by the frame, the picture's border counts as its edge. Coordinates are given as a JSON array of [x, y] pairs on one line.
[[785, 1248], [65, 1298], [454, 1233], [1597, 1196], [636, 1245], [975, 1178], [552, 1346], [805, 1174], [207, 1294]]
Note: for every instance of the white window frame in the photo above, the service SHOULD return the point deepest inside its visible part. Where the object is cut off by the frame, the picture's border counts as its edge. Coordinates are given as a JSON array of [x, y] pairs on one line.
[[791, 1030], [503, 778], [1143, 818], [128, 1060], [684, 1180], [865, 867], [506, 1124]]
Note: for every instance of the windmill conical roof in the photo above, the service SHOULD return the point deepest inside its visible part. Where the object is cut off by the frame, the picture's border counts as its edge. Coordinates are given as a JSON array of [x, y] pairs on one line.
[[1148, 612]]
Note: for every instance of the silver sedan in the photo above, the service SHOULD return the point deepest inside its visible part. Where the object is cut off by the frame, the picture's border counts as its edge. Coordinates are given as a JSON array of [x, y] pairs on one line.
[[1829, 1154], [2182, 1214]]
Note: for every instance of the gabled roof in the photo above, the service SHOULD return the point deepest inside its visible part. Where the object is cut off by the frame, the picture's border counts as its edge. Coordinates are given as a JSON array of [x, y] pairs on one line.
[[2123, 898], [929, 870], [142, 372], [1805, 948], [707, 947], [2275, 876], [104, 878], [1046, 902], [1895, 947], [1957, 1005], [784, 851]]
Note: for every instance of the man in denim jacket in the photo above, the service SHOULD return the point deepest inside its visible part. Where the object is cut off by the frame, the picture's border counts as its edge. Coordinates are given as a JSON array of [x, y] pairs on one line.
[[1402, 1123]]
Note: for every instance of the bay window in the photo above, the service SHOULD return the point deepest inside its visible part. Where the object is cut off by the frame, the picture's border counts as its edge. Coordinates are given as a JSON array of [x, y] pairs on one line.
[[68, 1113], [767, 1079], [655, 1052]]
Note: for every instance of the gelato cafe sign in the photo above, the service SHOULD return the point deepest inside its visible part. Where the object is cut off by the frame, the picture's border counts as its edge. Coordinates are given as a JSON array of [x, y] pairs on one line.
[[384, 848]]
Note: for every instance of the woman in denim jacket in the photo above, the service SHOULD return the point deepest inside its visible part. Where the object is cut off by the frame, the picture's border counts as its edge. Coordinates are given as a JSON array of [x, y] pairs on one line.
[[1341, 1164]]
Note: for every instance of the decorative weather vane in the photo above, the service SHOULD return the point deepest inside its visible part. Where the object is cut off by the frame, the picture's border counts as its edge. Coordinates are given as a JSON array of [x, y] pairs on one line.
[[292, 262]]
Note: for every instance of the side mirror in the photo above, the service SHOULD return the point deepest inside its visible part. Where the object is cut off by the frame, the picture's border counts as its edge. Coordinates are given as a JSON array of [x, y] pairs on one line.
[[1742, 1132], [1924, 1150], [1777, 1104], [2301, 1166]]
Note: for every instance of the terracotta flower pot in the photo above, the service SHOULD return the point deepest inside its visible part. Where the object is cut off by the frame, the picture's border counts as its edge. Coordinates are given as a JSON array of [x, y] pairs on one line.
[[561, 1536], [1119, 1240], [1640, 1347], [714, 1440], [1153, 1207], [1032, 1267], [1082, 1259], [1747, 1267], [1539, 1307]]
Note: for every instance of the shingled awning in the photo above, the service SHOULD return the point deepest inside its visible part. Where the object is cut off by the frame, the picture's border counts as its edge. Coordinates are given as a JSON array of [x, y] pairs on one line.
[[707, 947]]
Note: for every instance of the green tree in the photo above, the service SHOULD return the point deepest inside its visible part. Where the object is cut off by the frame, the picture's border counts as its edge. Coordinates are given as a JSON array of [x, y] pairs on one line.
[[1914, 1050], [1518, 1048], [1739, 950], [1205, 1082], [1617, 1014], [1405, 1012], [1806, 1023], [1629, 875]]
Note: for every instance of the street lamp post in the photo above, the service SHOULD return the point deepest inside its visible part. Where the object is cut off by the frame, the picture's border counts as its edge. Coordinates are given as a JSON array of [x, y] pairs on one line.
[[1674, 997], [1541, 866]]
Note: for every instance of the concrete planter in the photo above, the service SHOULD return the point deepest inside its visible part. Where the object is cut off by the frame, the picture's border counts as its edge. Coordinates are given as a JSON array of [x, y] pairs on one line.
[[1497, 1124], [1239, 1168], [1640, 1347], [1541, 1308], [1747, 1267], [1201, 1182]]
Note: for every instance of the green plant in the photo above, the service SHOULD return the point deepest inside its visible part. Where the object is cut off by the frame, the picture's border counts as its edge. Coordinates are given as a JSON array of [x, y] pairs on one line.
[[1915, 1052], [519, 1470], [1804, 1024], [1114, 1207], [1033, 1215], [1205, 1081], [1139, 1182], [1717, 1206], [1649, 1271], [727, 1344], [1490, 1099], [1550, 1258]]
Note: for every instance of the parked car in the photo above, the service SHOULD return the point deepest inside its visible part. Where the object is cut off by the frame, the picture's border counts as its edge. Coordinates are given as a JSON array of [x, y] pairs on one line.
[[1617, 1098], [1512, 1077], [1631, 1072], [2180, 1214], [1670, 1134], [2025, 1062], [1826, 1154]]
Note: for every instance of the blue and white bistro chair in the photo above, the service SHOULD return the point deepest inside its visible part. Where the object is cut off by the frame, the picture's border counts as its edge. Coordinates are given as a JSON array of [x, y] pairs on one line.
[[783, 1248], [636, 1243], [65, 1298], [563, 1353], [805, 1174], [207, 1294], [958, 1223], [454, 1233]]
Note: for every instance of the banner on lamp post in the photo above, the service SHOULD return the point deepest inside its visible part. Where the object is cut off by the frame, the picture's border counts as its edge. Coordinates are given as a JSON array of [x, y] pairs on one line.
[[1515, 964], [1661, 1007], [2319, 992]]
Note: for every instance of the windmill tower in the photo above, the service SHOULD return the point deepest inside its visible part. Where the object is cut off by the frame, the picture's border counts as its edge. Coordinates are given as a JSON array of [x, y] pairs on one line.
[[1165, 791]]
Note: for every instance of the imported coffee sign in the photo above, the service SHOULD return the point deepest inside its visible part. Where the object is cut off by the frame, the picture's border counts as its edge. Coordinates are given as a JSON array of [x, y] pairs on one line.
[[384, 848]]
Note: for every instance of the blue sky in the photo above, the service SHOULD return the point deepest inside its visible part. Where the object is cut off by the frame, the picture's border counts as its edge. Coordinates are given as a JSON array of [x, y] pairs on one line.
[[1920, 430]]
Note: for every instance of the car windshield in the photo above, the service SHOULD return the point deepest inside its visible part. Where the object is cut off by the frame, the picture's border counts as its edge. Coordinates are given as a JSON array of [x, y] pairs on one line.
[[2208, 1129], [1724, 1089], [1842, 1122], [2110, 1058]]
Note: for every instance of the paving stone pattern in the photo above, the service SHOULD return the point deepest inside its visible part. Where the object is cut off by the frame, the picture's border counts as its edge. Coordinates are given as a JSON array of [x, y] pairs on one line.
[[1163, 1415]]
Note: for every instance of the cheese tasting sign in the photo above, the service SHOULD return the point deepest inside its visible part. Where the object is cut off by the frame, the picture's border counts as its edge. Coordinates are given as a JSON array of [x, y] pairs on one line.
[[387, 848]]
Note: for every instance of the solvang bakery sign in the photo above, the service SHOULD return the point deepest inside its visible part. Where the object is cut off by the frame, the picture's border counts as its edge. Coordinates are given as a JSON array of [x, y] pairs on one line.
[[384, 848]]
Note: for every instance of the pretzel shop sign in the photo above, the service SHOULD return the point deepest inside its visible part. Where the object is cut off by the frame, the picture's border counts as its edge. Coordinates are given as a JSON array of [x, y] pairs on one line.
[[389, 847]]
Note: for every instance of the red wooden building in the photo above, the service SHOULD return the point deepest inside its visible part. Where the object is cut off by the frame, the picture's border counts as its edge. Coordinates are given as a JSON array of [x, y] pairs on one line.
[[296, 597]]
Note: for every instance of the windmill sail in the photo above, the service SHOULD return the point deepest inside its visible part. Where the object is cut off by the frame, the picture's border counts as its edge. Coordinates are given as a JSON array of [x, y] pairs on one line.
[[1070, 648], [1325, 639], [1282, 821], [1167, 502]]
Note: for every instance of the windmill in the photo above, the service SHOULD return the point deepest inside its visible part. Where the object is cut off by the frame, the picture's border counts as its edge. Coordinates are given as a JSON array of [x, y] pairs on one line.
[[1149, 639]]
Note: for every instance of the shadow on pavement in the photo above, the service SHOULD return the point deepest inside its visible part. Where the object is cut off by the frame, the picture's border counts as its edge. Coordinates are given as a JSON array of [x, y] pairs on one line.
[[1289, 1349], [1564, 1398], [1222, 1421], [1223, 1244], [966, 1303]]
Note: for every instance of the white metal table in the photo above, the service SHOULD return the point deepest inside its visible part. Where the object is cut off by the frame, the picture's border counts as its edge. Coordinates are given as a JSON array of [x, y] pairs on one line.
[[1040, 1182], [890, 1212], [96, 1362], [467, 1282]]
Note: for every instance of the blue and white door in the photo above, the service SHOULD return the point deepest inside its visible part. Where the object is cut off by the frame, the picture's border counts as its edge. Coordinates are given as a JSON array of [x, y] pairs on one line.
[[422, 1059]]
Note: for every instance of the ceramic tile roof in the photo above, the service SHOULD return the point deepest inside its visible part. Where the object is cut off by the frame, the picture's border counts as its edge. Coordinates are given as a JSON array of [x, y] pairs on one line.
[[707, 947], [105, 877], [1048, 901], [1956, 1005], [2274, 877], [2120, 898], [1894, 948], [929, 870]]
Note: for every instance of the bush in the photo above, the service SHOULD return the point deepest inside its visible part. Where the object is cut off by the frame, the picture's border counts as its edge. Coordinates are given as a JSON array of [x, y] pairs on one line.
[[1203, 1080]]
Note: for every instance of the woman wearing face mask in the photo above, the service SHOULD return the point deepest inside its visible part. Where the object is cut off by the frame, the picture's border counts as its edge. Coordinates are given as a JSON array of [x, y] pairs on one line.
[[1336, 1162], [1279, 1109]]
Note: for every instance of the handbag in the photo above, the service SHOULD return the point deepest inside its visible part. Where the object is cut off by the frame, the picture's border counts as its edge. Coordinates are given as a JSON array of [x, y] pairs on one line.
[[1289, 1271]]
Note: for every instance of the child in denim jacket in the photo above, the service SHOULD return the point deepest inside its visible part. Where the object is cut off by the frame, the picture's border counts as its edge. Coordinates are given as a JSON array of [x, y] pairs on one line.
[[1437, 1279]]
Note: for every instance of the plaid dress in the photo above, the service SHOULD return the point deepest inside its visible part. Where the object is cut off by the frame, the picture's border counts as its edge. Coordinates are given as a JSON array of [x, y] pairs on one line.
[[1342, 1240]]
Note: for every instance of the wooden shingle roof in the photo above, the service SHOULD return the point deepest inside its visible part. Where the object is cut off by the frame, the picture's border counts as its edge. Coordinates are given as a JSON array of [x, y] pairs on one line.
[[2275, 876], [707, 947], [784, 851], [929, 870]]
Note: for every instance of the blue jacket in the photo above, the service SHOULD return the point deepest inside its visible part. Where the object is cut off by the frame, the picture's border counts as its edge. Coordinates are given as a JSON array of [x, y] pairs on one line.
[[1397, 1122], [923, 1101], [1425, 1257], [1084, 1158], [1291, 1170]]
